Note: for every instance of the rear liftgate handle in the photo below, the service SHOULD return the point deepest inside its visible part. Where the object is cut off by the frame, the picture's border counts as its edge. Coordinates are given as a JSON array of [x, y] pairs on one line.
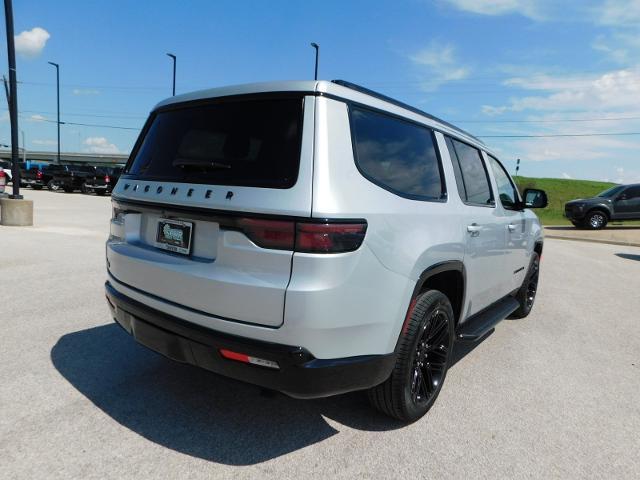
[[511, 227], [474, 229]]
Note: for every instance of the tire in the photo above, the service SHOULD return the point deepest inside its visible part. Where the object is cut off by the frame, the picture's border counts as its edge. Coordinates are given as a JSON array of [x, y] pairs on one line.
[[526, 296], [53, 186], [83, 188], [100, 192], [408, 394], [68, 189], [37, 187], [596, 220], [578, 224]]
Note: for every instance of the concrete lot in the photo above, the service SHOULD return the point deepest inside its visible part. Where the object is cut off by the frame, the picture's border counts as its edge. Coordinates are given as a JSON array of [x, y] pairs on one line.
[[625, 235], [556, 395]]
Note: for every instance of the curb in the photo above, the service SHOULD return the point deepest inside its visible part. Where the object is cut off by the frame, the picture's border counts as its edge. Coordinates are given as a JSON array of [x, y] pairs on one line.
[[593, 240]]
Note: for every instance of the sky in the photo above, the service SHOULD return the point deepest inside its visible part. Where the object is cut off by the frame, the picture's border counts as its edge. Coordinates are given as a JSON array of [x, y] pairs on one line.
[[520, 74]]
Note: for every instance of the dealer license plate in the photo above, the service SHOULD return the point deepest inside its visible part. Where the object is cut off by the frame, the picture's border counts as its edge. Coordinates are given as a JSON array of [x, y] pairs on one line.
[[174, 235]]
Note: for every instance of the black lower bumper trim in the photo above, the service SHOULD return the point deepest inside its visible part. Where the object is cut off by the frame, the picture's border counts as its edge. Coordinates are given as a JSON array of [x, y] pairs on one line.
[[300, 374]]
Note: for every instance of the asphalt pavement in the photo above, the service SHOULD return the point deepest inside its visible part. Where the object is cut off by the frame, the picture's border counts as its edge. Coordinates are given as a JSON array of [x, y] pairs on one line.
[[556, 395]]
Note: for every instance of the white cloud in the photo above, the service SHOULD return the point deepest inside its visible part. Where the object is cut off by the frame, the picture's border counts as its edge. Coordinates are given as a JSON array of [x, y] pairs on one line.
[[527, 8], [37, 118], [30, 43], [566, 176], [439, 64], [86, 91], [619, 89], [100, 145], [43, 142], [618, 13]]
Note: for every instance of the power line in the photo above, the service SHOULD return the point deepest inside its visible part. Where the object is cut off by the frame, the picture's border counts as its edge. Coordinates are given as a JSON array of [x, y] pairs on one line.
[[562, 135], [549, 121], [117, 127], [75, 114]]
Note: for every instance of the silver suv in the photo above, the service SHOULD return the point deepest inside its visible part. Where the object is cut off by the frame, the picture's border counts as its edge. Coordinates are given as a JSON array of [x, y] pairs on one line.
[[317, 238]]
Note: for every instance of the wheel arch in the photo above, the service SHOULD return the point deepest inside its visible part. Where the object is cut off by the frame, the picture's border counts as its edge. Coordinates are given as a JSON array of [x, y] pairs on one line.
[[600, 208], [450, 278]]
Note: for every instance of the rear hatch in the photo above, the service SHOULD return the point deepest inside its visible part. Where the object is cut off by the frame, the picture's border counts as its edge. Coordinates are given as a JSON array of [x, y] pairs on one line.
[[203, 211]]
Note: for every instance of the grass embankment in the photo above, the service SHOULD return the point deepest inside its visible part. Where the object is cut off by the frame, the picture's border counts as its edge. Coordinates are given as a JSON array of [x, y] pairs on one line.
[[559, 192]]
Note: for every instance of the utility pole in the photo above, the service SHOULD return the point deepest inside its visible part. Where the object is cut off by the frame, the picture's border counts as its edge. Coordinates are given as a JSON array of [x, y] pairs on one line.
[[317, 47], [174, 72], [13, 100], [58, 99], [517, 167]]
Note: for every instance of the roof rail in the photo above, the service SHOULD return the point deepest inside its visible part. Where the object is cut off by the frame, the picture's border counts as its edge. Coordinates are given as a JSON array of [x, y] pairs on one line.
[[366, 91]]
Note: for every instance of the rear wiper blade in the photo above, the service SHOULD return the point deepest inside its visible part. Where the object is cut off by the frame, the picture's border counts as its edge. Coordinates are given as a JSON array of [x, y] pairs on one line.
[[208, 164]]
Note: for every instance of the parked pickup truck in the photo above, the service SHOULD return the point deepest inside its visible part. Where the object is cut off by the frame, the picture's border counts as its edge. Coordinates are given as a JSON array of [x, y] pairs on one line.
[[32, 177], [73, 177], [103, 181]]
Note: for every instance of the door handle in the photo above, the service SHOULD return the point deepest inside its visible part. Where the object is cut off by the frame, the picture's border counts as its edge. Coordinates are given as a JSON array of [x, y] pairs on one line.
[[511, 227], [474, 229]]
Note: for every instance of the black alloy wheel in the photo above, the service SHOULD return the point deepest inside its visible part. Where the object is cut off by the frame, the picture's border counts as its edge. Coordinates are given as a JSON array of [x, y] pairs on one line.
[[423, 355], [526, 296], [430, 358]]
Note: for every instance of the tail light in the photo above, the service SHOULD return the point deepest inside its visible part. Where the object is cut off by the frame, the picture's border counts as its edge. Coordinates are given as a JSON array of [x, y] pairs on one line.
[[309, 237], [279, 234], [39, 174], [107, 179], [329, 237]]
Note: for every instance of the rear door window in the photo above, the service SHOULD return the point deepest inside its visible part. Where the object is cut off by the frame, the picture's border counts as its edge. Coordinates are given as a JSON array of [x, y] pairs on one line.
[[397, 155], [472, 174], [246, 142]]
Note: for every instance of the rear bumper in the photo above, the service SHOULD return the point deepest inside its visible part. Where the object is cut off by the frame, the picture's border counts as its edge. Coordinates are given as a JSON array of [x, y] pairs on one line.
[[29, 181], [102, 188], [300, 374]]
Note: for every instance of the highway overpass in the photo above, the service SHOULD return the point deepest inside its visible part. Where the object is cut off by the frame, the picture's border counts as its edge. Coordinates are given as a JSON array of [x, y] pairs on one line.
[[69, 157]]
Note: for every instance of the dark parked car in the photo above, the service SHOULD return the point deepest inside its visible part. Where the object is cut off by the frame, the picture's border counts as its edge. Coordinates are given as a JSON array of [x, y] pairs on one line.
[[73, 177], [103, 181], [621, 202]]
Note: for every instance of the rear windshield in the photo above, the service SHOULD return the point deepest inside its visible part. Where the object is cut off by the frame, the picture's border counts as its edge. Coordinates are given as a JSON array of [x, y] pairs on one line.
[[252, 143]]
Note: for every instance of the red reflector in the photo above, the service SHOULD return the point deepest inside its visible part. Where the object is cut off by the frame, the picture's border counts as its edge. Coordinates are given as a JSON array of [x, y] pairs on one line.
[[107, 179], [329, 237], [277, 234], [38, 174], [240, 357]]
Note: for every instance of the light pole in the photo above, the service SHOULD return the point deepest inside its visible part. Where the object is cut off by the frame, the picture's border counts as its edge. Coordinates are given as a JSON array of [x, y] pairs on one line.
[[13, 100], [174, 72], [317, 47], [58, 101]]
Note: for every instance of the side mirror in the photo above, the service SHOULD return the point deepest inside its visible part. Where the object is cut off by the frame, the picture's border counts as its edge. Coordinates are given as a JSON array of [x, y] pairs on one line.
[[534, 198], [623, 196]]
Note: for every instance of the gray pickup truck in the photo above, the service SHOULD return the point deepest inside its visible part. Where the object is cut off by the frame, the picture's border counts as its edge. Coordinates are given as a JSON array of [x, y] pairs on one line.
[[621, 202]]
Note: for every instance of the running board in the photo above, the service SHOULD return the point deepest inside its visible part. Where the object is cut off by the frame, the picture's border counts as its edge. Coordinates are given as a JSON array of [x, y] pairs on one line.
[[478, 325]]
